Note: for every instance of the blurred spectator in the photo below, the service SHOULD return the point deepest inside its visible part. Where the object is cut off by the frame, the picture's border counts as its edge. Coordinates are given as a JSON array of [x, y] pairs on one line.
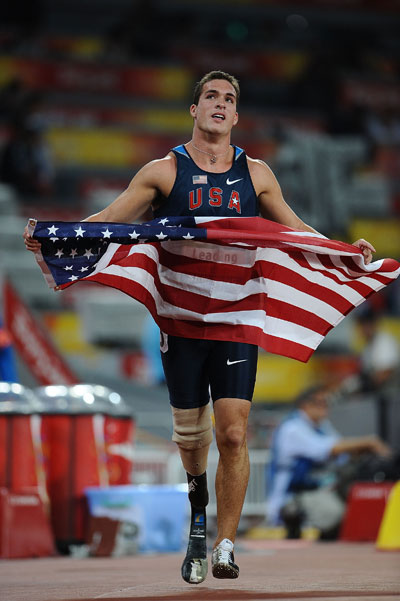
[[8, 368], [140, 33], [380, 358], [13, 97], [26, 162], [383, 127], [306, 455], [317, 86], [18, 103], [151, 350], [347, 119], [22, 21]]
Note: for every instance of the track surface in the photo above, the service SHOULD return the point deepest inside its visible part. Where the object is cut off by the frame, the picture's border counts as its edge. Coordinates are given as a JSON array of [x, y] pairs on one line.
[[268, 570]]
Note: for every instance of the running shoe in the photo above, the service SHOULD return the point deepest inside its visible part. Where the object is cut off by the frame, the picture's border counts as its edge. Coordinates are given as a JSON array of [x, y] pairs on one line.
[[195, 567], [223, 561]]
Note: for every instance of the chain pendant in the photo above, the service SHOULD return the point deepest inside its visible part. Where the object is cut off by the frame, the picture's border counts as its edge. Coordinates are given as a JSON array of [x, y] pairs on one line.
[[213, 157]]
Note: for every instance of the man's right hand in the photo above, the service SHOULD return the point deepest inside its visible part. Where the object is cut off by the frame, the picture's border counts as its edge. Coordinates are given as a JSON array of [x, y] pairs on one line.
[[379, 447], [360, 444], [30, 243]]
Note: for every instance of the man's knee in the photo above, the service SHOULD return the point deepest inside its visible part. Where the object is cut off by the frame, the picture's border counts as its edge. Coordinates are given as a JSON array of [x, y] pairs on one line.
[[192, 427], [232, 437]]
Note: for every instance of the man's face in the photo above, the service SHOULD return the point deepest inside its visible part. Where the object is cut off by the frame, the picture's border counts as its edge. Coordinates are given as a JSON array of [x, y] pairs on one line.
[[317, 408], [215, 112], [368, 329]]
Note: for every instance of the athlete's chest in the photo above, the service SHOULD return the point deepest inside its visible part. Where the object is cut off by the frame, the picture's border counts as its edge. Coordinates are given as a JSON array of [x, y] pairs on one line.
[[230, 191], [217, 190]]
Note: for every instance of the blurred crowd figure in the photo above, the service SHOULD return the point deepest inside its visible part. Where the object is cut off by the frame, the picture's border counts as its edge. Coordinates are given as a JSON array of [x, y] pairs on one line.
[[25, 162], [312, 467], [151, 351], [378, 375], [383, 127], [140, 33], [25, 158], [8, 365], [380, 357]]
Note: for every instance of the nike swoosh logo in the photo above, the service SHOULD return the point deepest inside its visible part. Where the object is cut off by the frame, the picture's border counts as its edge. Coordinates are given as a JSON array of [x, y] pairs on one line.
[[228, 362], [229, 182]]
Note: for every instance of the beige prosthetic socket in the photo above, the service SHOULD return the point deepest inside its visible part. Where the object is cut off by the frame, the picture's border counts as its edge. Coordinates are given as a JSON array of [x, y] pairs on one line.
[[192, 427], [193, 435]]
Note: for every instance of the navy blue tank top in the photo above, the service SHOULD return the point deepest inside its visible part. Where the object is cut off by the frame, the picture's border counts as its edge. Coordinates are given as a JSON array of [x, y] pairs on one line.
[[200, 193]]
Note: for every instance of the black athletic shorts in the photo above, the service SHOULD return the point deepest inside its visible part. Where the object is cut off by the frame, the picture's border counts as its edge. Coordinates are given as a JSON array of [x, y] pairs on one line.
[[195, 368]]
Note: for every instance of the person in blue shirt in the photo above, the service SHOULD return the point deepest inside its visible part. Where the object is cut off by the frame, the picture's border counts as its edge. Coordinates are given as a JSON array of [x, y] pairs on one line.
[[8, 366], [302, 447], [208, 176]]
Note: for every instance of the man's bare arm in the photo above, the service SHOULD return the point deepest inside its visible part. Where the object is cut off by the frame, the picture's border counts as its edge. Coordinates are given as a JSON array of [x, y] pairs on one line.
[[361, 444], [274, 207], [155, 177]]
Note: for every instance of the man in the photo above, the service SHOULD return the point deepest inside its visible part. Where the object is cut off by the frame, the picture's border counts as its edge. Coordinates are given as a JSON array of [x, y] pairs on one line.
[[302, 447], [8, 366], [380, 357], [209, 176]]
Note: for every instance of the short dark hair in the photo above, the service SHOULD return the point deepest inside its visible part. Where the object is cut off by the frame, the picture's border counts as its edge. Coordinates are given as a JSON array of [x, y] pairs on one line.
[[309, 395], [215, 75], [367, 315]]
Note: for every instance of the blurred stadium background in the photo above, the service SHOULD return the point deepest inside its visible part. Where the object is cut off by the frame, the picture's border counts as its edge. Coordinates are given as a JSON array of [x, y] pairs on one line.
[[100, 87]]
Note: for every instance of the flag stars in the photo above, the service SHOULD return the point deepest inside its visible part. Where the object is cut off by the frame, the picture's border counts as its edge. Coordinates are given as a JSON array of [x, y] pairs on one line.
[[107, 233], [73, 253], [161, 236], [59, 253], [88, 253], [188, 237], [79, 232], [54, 239], [68, 268], [82, 269], [163, 221], [53, 229], [134, 235], [73, 278]]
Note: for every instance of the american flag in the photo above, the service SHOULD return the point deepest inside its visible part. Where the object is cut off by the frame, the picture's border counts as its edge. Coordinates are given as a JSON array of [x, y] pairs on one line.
[[244, 279], [199, 179]]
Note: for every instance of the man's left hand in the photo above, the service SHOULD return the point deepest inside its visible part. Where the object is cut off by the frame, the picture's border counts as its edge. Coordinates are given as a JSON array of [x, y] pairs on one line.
[[366, 248]]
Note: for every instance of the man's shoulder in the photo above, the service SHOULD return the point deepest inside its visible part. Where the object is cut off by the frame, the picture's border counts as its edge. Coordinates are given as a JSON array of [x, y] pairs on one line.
[[164, 168], [385, 345], [296, 422], [291, 422], [165, 163], [256, 164], [260, 172]]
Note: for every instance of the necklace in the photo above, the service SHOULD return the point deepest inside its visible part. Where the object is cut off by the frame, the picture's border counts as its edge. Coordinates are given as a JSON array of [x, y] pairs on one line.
[[213, 157]]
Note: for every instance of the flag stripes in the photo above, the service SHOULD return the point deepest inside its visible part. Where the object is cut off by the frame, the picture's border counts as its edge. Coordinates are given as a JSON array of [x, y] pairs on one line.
[[241, 279]]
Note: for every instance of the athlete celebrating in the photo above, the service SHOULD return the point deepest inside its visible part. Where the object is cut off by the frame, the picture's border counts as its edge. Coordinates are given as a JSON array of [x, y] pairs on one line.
[[208, 176]]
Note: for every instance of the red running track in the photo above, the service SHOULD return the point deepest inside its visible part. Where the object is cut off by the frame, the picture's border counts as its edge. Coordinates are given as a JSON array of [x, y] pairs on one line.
[[268, 570]]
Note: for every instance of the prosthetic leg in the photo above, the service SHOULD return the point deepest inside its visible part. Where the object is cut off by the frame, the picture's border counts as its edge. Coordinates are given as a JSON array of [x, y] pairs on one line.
[[193, 434], [194, 567]]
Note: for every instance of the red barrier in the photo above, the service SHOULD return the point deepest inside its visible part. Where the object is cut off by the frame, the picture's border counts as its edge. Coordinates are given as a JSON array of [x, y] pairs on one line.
[[24, 528], [72, 465], [87, 441], [119, 436], [365, 506], [21, 455]]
